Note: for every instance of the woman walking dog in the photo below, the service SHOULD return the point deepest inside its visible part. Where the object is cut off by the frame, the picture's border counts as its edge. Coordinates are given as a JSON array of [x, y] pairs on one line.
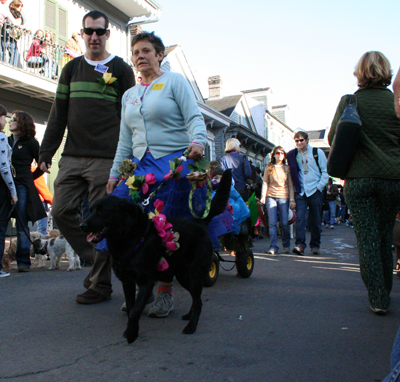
[[160, 119]]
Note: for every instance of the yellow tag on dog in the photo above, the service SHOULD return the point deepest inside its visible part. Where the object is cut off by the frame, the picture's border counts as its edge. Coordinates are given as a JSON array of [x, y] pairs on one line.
[[158, 87]]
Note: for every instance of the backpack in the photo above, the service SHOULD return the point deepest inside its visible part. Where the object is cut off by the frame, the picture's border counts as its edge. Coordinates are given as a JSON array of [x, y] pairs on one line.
[[315, 155]]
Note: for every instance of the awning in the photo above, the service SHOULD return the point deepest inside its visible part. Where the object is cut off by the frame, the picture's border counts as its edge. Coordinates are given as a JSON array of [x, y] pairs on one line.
[[137, 8], [250, 140]]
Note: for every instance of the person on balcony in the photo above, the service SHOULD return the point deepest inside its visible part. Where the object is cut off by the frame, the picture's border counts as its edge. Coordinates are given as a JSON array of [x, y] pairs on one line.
[[14, 32], [49, 50], [3, 18], [72, 45], [37, 57]]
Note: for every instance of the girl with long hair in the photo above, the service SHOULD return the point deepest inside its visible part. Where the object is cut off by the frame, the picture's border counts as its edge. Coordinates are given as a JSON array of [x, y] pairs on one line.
[[276, 191]]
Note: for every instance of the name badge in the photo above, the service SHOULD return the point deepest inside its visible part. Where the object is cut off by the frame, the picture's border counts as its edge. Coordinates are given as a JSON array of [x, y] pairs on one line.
[[157, 87], [101, 68]]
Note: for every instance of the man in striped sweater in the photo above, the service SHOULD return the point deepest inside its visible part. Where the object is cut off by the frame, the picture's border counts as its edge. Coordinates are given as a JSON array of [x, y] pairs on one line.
[[89, 104]]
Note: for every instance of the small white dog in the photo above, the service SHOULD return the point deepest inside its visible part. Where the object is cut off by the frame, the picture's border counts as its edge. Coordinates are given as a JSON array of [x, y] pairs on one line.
[[56, 247]]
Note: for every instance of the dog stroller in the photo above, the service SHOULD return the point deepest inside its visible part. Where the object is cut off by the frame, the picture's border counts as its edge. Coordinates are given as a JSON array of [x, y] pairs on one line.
[[233, 238]]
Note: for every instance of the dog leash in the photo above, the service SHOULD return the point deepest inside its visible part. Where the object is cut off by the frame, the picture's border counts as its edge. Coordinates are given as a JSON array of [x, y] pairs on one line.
[[9, 215], [23, 228]]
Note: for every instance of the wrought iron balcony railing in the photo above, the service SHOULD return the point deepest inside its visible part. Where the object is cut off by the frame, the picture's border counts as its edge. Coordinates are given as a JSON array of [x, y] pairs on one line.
[[33, 54]]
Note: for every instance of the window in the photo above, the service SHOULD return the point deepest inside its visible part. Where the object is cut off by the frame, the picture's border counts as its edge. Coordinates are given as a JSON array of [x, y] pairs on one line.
[[56, 20]]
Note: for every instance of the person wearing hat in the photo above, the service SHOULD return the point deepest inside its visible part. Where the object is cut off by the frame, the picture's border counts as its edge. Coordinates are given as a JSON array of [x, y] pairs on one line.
[[73, 44]]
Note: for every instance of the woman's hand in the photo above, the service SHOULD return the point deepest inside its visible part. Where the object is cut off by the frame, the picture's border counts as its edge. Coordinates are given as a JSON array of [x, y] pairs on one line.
[[292, 205], [111, 185], [196, 151], [14, 199], [262, 200]]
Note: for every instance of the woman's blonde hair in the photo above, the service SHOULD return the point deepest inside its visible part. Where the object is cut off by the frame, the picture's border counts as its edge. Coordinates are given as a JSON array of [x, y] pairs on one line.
[[232, 144], [373, 69]]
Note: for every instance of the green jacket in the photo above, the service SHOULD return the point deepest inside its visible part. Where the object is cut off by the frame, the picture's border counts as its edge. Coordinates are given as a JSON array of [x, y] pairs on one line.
[[378, 148]]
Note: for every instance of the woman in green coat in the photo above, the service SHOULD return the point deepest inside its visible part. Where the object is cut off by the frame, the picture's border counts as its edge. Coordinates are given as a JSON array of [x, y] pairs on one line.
[[372, 188]]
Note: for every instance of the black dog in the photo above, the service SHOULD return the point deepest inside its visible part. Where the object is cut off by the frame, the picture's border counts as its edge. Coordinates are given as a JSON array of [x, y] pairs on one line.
[[136, 248]]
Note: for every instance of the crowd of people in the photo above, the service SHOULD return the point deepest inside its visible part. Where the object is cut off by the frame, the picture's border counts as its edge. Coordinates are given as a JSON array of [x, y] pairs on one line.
[[39, 50], [157, 120]]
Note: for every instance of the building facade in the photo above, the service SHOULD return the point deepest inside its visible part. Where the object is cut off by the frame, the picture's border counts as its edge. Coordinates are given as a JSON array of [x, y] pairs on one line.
[[23, 87]]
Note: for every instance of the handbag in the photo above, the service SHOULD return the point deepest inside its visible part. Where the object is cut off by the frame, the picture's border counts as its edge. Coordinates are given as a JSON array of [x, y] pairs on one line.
[[345, 140], [292, 216]]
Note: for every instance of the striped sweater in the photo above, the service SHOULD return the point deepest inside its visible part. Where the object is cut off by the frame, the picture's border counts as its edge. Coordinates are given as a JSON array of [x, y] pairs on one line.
[[89, 109]]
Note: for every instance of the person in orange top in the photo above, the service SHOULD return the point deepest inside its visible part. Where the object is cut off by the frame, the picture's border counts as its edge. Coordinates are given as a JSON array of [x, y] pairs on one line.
[[46, 197], [277, 192]]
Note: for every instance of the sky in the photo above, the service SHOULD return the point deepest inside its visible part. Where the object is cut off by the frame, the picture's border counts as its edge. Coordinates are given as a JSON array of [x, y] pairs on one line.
[[305, 51]]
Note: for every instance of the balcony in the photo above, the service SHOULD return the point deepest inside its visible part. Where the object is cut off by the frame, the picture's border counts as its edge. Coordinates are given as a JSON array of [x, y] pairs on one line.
[[32, 76]]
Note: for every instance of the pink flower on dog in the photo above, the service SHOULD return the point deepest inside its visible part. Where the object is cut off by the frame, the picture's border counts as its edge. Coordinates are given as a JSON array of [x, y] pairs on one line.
[[162, 265], [168, 238], [159, 205], [161, 224], [170, 245]]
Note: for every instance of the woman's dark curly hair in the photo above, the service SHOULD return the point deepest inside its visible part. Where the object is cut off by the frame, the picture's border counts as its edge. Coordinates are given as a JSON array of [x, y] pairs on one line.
[[25, 123], [150, 37]]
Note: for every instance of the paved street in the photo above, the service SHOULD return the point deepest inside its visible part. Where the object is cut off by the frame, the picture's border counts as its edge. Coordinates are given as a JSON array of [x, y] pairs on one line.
[[296, 319]]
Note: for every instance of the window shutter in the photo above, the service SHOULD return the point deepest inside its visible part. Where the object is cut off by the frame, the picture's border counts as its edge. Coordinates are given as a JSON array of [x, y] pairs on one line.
[[51, 15], [62, 26], [56, 20]]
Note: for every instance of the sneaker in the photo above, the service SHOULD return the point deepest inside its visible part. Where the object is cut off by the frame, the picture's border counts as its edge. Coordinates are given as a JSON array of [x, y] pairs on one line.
[[271, 252], [163, 305], [298, 251], [91, 297], [286, 250], [4, 274], [23, 268], [315, 251], [378, 310], [326, 225], [332, 227]]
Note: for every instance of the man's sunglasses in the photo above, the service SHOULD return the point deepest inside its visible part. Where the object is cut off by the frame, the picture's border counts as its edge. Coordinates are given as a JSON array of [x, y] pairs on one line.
[[299, 140], [99, 31]]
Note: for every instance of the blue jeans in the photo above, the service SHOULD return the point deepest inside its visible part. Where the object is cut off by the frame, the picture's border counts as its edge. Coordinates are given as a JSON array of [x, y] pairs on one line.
[[394, 375], [314, 203], [330, 214], [14, 52], [3, 230], [42, 223], [273, 206], [23, 243]]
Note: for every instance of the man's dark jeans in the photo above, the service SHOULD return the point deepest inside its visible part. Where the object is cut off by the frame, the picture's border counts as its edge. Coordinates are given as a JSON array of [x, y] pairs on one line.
[[314, 203]]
